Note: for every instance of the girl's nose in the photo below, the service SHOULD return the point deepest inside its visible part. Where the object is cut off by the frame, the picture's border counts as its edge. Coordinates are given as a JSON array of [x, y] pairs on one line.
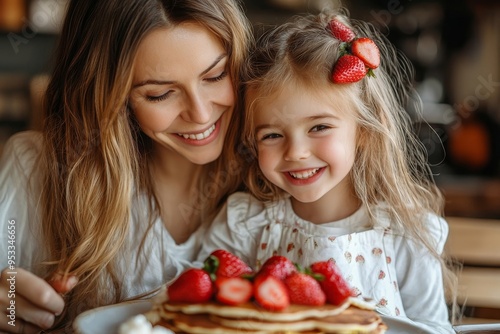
[[297, 150]]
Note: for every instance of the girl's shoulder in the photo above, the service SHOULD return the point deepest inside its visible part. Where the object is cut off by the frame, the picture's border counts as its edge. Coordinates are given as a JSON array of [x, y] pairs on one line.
[[434, 226], [244, 203], [244, 207]]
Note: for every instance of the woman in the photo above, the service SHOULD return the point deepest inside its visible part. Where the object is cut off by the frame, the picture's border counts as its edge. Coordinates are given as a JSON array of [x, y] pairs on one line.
[[131, 160]]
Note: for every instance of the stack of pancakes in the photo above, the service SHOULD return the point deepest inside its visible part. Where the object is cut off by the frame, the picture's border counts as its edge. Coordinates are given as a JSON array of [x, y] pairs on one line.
[[354, 316]]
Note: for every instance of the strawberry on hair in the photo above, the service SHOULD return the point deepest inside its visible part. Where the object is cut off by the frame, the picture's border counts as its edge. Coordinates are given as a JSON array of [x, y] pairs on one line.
[[340, 31], [348, 69], [366, 50]]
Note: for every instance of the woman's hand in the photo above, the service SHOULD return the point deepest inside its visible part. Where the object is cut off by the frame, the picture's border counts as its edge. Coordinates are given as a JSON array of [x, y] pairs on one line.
[[28, 302]]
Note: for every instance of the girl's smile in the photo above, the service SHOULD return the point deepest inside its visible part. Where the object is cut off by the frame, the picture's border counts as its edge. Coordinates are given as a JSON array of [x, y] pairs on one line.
[[304, 177]]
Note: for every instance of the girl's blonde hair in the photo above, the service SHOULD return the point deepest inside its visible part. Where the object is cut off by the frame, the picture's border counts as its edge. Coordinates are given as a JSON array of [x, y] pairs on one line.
[[95, 158], [391, 163]]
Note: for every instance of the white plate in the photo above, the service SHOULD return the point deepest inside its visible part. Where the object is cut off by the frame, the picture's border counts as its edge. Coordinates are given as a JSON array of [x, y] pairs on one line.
[[106, 319]]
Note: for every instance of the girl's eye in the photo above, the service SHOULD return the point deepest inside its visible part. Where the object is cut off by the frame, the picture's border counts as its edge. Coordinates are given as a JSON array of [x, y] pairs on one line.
[[158, 98], [270, 136], [319, 128], [217, 78]]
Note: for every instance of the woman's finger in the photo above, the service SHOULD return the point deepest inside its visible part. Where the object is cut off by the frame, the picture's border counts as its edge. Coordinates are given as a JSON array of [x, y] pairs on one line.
[[37, 291], [33, 314], [62, 284], [19, 326]]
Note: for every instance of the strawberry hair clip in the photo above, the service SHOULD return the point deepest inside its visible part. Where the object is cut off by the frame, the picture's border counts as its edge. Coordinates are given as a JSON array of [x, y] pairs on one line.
[[358, 56]]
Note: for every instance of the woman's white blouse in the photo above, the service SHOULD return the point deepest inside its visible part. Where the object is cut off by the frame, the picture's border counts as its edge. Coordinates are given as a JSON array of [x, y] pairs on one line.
[[403, 279], [161, 258]]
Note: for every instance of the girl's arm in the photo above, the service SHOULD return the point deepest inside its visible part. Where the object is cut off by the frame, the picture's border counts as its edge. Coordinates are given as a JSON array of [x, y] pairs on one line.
[[420, 279]]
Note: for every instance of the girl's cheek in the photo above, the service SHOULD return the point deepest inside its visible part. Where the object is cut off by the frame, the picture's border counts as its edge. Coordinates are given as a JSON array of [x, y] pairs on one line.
[[265, 158]]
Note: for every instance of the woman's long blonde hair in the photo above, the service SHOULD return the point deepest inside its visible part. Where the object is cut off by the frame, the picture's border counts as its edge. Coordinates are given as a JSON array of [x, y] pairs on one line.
[[391, 163], [95, 158]]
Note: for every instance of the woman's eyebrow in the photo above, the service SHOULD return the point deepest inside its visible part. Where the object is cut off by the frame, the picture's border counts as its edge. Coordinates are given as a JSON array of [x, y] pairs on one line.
[[217, 60], [169, 82]]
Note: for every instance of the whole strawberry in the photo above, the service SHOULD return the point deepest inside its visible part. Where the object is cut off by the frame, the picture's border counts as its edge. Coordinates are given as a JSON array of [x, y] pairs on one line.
[[348, 68], [270, 292], [278, 266], [223, 263], [341, 32], [336, 288], [192, 286], [366, 50], [303, 289]]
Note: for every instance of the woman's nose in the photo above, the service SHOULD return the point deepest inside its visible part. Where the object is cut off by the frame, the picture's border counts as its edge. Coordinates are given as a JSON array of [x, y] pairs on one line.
[[296, 150], [199, 108]]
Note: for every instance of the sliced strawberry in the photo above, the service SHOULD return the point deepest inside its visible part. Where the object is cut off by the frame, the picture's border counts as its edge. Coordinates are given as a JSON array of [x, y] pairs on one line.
[[233, 290], [366, 50], [348, 68], [303, 289], [341, 32], [223, 263], [192, 286], [270, 293], [336, 288], [278, 266]]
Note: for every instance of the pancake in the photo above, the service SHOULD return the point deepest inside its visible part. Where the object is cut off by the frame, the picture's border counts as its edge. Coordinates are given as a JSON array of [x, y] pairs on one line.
[[355, 316]]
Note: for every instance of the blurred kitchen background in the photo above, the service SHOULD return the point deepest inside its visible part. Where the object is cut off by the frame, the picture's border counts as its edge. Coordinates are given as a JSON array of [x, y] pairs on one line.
[[454, 46]]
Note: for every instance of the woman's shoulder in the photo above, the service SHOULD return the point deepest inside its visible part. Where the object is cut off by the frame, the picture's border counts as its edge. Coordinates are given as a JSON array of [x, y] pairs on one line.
[[21, 152], [23, 145]]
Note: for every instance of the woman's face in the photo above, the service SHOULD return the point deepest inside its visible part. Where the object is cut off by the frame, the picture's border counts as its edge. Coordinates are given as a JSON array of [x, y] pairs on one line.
[[182, 94]]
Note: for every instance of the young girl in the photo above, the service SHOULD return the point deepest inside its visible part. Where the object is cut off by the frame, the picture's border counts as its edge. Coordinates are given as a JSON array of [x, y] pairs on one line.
[[334, 169], [109, 201]]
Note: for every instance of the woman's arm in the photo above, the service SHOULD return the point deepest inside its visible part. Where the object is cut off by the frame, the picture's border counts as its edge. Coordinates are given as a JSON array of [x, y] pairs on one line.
[[28, 302]]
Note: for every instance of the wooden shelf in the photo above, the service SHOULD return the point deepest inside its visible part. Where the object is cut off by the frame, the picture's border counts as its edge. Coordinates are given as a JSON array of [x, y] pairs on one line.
[[471, 196]]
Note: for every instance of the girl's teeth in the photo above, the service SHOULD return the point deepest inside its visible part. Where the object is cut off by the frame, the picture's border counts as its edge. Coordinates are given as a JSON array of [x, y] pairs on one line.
[[304, 175], [199, 136]]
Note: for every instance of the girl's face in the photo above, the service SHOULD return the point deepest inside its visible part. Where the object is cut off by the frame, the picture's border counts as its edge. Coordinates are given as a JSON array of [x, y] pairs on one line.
[[182, 94], [306, 142]]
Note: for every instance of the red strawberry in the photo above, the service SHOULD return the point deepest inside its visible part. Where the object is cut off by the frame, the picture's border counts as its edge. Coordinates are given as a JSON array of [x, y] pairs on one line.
[[278, 266], [304, 290], [223, 263], [233, 290], [192, 286], [341, 32], [270, 293], [366, 50], [348, 68], [336, 288]]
